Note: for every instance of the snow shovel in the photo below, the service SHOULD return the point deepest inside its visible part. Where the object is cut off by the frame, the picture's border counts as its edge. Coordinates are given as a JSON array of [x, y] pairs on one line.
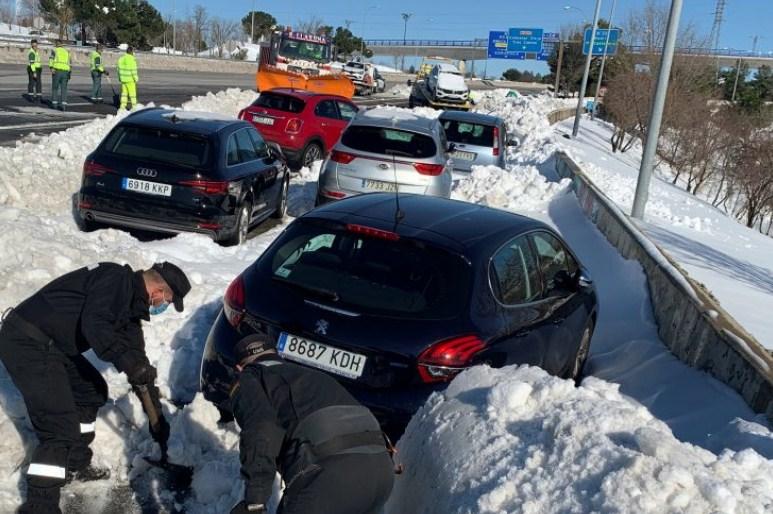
[[116, 96], [180, 477]]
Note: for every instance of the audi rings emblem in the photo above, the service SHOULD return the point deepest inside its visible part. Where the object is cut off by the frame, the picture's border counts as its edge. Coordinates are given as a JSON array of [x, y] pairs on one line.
[[146, 172]]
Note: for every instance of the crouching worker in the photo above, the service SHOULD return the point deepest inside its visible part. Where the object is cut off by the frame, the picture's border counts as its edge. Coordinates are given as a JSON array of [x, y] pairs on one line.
[[328, 448], [41, 342]]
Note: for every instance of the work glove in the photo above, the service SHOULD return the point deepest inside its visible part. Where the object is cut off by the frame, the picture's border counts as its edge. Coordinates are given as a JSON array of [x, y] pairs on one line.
[[248, 508], [143, 374]]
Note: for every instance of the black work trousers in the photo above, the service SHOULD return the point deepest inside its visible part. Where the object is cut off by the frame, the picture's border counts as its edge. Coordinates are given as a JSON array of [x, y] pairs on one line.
[[342, 484], [62, 394], [34, 84]]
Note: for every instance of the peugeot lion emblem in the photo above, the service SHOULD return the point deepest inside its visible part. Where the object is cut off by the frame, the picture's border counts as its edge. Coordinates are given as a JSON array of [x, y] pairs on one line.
[[146, 172], [322, 326]]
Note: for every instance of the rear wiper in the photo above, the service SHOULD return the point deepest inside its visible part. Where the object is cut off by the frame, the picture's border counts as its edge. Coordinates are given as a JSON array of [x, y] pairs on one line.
[[319, 291], [398, 152]]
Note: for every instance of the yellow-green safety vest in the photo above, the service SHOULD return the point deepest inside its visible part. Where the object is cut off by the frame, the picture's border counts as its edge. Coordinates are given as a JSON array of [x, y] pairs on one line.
[[127, 69], [59, 60], [96, 62], [34, 60]]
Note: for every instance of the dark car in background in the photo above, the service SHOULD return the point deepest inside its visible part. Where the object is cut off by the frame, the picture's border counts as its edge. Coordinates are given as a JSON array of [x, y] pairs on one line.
[[395, 299], [305, 125], [174, 171]]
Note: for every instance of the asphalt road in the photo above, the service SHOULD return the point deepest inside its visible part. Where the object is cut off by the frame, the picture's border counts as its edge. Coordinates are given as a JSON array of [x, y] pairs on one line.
[[19, 118]]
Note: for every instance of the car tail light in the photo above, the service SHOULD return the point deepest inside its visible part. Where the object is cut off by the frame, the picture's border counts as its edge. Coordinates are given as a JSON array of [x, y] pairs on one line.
[[429, 169], [84, 205], [294, 126], [342, 157], [233, 302], [444, 360], [333, 194], [93, 169], [208, 187], [495, 151], [372, 232]]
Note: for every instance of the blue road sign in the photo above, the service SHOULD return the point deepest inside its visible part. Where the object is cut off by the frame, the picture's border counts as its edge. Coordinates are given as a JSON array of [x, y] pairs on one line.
[[601, 40], [524, 40], [549, 42], [497, 44]]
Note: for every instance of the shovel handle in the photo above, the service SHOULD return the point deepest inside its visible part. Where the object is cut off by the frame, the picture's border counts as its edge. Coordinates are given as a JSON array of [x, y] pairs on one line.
[[147, 403]]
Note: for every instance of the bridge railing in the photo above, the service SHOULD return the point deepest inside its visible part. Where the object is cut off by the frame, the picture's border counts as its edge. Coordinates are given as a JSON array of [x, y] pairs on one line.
[[639, 49]]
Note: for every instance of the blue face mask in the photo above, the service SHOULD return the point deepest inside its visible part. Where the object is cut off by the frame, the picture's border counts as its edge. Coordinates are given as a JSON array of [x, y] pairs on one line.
[[155, 310]]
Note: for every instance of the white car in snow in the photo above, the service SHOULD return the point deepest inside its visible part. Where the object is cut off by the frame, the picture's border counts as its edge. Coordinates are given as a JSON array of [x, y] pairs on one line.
[[446, 84]]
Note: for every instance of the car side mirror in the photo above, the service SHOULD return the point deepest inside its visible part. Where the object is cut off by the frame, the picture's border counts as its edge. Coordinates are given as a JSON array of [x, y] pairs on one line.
[[584, 282], [513, 142], [451, 147], [409, 82], [275, 152]]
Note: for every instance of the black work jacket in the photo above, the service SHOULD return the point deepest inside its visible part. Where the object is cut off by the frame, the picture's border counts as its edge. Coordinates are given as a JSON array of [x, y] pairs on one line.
[[99, 308], [291, 417]]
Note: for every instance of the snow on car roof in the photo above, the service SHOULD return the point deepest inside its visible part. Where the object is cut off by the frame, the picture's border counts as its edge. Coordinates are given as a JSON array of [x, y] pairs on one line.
[[447, 68], [391, 114]]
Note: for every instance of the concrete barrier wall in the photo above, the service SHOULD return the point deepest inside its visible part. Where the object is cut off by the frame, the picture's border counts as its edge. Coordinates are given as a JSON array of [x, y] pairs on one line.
[[690, 321], [79, 56]]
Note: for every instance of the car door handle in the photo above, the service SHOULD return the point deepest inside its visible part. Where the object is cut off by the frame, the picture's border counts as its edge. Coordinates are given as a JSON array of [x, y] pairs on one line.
[[558, 321], [523, 332]]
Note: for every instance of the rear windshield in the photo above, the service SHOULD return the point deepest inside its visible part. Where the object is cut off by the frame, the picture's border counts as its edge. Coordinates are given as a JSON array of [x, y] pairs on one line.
[[469, 133], [355, 65], [368, 275], [280, 102], [144, 143], [389, 141]]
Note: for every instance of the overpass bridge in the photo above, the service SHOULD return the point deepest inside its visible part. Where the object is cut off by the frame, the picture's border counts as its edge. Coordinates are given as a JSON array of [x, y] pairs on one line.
[[477, 49]]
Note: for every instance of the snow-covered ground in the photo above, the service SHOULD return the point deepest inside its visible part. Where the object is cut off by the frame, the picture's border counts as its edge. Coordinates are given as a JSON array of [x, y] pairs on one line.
[[734, 262], [510, 440]]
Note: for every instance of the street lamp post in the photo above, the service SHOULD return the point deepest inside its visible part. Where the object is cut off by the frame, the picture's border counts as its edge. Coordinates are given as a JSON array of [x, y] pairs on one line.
[[406, 16], [603, 60], [656, 114], [252, 30], [584, 85]]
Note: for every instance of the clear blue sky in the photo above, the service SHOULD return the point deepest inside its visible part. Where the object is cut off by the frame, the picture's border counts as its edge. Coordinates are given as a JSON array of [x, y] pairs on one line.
[[469, 19]]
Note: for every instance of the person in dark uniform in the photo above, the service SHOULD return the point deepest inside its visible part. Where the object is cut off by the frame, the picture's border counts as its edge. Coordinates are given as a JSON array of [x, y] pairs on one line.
[[328, 448], [41, 341]]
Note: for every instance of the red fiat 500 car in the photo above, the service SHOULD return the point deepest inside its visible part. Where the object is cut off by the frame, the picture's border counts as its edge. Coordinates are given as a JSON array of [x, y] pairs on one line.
[[305, 125]]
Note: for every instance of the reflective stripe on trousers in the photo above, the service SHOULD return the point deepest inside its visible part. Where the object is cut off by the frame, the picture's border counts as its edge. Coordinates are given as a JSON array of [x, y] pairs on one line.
[[46, 470]]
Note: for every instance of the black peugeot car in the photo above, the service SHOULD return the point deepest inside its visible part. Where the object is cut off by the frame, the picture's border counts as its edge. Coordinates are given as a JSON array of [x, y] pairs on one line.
[[395, 296], [175, 171]]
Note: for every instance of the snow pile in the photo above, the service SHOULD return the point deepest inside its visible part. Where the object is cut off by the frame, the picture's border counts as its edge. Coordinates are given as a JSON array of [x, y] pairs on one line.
[[519, 440], [520, 188], [228, 102], [389, 112], [400, 90]]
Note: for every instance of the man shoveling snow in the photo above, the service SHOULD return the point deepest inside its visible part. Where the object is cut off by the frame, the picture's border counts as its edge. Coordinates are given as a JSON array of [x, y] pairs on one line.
[[41, 341]]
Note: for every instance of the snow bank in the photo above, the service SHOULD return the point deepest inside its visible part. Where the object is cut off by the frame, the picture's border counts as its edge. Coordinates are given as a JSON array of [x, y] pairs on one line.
[[520, 188], [519, 440]]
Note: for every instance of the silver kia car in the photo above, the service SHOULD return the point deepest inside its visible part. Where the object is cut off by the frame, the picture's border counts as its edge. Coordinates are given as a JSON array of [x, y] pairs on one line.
[[387, 150], [478, 139]]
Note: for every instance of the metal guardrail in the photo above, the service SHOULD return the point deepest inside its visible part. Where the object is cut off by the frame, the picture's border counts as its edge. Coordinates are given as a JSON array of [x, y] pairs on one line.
[[483, 43]]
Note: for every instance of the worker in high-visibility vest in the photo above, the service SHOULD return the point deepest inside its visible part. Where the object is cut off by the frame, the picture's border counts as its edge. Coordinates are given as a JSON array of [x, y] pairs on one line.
[[34, 70], [128, 76], [59, 62], [97, 70]]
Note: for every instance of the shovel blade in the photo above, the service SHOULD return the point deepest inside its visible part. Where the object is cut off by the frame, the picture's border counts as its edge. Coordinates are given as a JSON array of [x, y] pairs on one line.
[[179, 477]]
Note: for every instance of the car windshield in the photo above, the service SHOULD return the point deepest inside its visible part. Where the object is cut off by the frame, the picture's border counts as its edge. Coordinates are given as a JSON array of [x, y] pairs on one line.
[[144, 143], [469, 133], [369, 275], [388, 141], [279, 102], [306, 50], [355, 65]]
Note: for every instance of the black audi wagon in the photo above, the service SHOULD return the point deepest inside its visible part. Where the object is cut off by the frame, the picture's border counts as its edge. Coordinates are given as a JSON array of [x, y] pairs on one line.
[[175, 171], [394, 296]]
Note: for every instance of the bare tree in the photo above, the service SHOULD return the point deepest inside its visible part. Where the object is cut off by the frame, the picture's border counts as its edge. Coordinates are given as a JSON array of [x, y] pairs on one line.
[[311, 25], [199, 21], [221, 32]]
